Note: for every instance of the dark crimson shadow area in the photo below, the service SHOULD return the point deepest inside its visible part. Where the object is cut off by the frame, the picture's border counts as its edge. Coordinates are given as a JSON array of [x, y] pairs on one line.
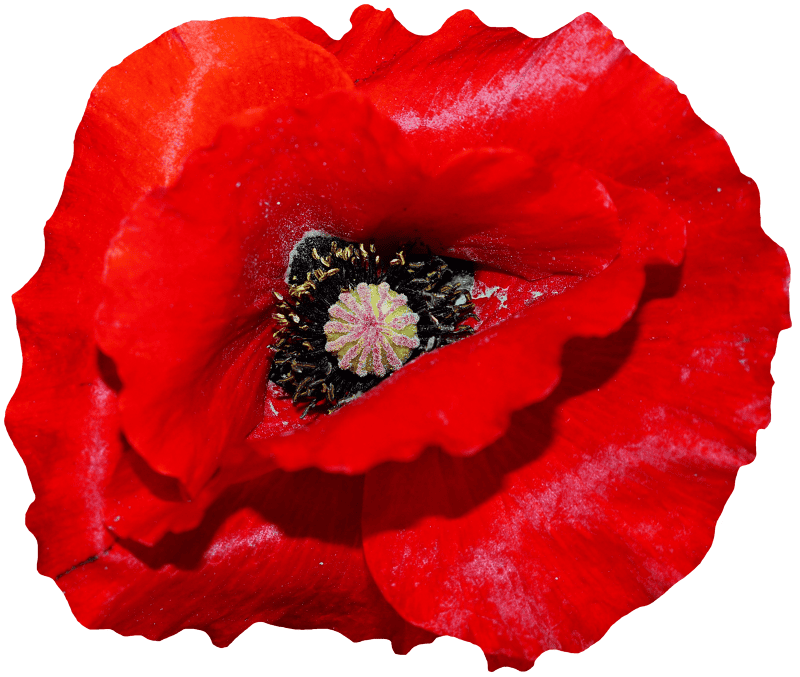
[[306, 504], [108, 371]]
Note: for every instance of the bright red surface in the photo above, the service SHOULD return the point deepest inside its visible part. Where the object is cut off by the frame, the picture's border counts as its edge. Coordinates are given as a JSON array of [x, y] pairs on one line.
[[555, 471]]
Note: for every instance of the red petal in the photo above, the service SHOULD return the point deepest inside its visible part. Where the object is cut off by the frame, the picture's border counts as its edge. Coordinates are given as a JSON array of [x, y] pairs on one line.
[[188, 278], [599, 499], [170, 97], [496, 87], [133, 136], [66, 430], [651, 232], [375, 39], [308, 30], [500, 208], [143, 505], [285, 550], [577, 94]]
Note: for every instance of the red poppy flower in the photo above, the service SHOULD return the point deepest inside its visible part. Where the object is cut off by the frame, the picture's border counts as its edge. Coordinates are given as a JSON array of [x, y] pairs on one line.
[[522, 488]]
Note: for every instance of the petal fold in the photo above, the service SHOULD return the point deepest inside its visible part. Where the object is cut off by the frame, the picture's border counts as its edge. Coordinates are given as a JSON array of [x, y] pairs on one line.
[[500, 208], [189, 278], [284, 550], [142, 120]]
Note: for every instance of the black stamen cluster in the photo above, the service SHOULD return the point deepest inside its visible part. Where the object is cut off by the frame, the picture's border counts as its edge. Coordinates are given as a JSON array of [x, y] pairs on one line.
[[323, 267]]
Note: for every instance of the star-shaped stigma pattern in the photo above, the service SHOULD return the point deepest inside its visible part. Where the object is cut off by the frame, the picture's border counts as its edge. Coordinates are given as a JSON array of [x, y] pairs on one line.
[[372, 330]]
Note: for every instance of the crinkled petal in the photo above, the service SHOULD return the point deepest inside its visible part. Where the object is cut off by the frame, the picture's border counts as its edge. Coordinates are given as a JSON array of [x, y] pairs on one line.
[[67, 432], [285, 550], [577, 94], [600, 498], [495, 87], [366, 47], [142, 120], [189, 278]]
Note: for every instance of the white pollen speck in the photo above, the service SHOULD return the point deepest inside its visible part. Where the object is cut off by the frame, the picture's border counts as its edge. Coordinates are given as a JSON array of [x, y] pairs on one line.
[[719, 190], [238, 184], [484, 293], [277, 203]]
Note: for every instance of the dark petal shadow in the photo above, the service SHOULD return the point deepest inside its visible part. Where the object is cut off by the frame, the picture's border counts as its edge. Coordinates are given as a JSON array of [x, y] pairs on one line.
[[108, 371], [309, 504], [163, 487]]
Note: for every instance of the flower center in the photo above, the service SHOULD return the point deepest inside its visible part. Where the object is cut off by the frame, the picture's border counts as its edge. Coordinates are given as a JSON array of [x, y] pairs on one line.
[[350, 320], [371, 329]]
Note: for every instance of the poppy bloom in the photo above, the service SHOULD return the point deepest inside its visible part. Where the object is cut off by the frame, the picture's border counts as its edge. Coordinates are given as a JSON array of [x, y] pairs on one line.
[[610, 342]]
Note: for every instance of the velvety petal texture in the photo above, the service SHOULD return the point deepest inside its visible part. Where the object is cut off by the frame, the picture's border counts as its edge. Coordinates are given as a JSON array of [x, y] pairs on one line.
[[140, 123], [522, 488], [64, 417]]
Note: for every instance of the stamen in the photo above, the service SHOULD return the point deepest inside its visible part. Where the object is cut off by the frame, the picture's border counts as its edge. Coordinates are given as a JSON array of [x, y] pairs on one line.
[[347, 321]]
